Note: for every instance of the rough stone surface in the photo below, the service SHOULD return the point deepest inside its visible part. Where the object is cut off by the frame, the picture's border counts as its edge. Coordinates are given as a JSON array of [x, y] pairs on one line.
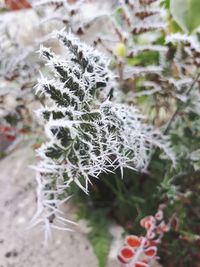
[[23, 247], [118, 241]]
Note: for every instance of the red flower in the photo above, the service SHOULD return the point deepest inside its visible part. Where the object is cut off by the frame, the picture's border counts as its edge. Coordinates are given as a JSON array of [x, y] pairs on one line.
[[17, 4], [133, 241], [150, 252], [143, 249], [126, 254], [148, 222], [10, 138]]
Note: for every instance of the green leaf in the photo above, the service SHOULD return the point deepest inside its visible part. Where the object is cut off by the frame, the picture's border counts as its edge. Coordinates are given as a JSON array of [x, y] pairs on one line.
[[186, 14]]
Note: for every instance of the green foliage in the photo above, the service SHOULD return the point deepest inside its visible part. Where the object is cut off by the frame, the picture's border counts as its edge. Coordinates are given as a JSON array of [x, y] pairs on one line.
[[184, 235], [166, 3], [124, 200], [186, 14], [100, 237], [98, 223]]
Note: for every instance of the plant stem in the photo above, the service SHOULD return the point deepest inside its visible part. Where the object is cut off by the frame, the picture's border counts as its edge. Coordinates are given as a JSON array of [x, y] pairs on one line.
[[181, 104], [182, 176]]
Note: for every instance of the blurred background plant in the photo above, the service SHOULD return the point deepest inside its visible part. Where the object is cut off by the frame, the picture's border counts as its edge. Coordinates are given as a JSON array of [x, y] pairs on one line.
[[155, 53]]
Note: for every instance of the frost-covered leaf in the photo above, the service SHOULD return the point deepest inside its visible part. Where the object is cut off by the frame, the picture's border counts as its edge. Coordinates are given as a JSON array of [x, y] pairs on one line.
[[89, 131]]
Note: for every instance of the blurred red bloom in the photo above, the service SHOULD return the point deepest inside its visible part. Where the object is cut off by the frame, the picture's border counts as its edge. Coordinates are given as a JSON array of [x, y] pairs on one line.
[[140, 251], [17, 4]]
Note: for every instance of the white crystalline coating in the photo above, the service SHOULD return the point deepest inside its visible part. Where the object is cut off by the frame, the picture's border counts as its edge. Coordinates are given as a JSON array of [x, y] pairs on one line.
[[130, 71], [141, 26], [178, 37], [186, 63], [38, 3], [88, 130]]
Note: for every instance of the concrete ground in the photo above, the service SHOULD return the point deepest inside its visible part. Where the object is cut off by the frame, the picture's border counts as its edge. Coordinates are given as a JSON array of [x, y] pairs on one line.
[[22, 247]]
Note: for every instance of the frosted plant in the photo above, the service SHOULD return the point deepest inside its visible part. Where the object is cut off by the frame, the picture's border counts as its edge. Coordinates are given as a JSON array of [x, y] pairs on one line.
[[89, 131], [183, 56], [137, 25], [14, 57], [19, 66], [76, 15], [57, 10], [162, 70]]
